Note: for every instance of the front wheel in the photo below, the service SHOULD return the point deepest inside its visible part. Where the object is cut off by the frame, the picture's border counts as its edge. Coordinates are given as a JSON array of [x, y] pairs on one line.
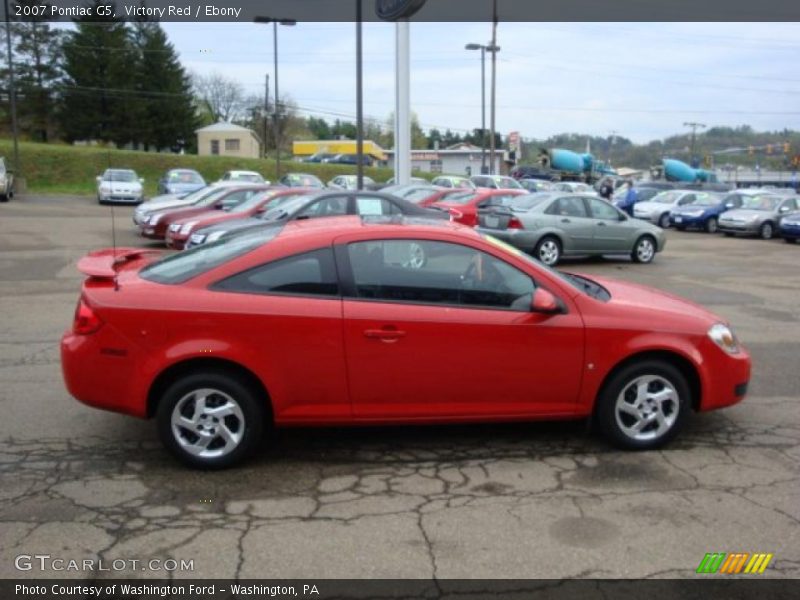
[[766, 231], [644, 251], [663, 221], [711, 225], [210, 420], [548, 251], [644, 405]]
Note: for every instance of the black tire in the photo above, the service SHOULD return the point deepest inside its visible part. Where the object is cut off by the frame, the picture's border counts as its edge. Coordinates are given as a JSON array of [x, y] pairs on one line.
[[622, 382], [663, 221], [548, 250], [711, 225], [680, 227], [766, 231], [790, 240], [227, 388], [728, 233], [3, 198], [639, 254]]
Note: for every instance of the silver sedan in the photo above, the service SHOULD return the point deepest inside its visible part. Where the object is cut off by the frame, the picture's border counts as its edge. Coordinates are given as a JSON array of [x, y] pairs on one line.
[[551, 225], [759, 215]]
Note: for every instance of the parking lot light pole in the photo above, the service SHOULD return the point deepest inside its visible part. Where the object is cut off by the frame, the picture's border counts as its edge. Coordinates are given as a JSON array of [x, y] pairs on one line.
[[276, 115], [12, 92], [482, 48]]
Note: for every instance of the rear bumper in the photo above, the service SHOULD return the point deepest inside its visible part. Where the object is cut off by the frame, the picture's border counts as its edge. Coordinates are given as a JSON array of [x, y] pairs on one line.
[[102, 371], [520, 238]]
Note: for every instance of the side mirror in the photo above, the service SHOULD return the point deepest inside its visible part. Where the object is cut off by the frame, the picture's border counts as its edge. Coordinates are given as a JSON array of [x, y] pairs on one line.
[[546, 303], [99, 179]]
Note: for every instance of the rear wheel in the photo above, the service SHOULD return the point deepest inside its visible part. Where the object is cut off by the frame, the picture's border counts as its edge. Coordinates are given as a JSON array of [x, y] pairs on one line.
[[766, 231], [663, 221], [644, 251], [548, 250], [210, 420], [728, 233], [711, 225], [644, 405]]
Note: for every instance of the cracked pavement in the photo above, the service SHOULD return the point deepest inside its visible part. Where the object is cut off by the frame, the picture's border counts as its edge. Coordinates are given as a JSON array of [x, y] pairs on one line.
[[539, 500]]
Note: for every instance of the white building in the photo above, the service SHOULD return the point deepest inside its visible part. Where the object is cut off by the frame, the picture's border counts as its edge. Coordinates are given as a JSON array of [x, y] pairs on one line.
[[459, 159]]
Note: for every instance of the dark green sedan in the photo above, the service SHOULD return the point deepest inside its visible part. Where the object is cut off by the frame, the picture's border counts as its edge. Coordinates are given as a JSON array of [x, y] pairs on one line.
[[552, 225]]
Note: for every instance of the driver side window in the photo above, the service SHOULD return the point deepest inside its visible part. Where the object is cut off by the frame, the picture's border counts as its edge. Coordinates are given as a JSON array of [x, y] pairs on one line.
[[327, 207], [420, 271]]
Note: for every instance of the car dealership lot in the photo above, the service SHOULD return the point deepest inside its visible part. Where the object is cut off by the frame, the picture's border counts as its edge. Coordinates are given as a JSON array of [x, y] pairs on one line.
[[540, 500]]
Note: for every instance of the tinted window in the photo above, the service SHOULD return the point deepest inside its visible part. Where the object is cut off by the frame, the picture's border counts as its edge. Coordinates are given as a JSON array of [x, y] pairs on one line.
[[312, 273], [602, 210], [568, 207], [437, 273], [528, 201], [331, 206], [190, 263]]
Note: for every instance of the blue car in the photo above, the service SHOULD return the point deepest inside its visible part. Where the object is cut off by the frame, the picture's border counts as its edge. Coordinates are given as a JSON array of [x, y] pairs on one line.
[[180, 182], [703, 213], [790, 228]]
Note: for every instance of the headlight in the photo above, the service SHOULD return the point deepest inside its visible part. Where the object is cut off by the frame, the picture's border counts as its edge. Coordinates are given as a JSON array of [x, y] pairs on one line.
[[723, 336], [188, 227], [213, 237], [174, 227]]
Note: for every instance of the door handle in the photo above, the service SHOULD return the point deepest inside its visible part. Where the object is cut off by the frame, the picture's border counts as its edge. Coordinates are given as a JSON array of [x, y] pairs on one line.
[[566, 221], [601, 224], [385, 335]]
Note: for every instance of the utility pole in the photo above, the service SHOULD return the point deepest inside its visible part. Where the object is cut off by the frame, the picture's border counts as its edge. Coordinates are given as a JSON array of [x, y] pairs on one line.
[[12, 92], [494, 49], [694, 127], [359, 100], [266, 113]]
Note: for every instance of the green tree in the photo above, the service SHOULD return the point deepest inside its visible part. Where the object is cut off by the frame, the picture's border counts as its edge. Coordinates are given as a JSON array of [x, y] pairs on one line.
[[37, 66], [99, 95], [167, 115]]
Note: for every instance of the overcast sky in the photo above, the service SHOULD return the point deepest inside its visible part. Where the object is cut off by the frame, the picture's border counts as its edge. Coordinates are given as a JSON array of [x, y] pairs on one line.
[[643, 80]]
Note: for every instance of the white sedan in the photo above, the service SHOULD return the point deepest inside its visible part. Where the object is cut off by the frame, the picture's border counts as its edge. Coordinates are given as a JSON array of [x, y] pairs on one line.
[[121, 186]]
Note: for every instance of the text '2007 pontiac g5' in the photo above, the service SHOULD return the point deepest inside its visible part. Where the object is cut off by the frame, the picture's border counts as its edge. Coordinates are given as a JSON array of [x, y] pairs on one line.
[[347, 320]]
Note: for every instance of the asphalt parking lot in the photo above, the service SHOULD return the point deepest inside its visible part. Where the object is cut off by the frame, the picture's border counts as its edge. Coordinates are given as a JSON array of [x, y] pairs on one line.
[[522, 501]]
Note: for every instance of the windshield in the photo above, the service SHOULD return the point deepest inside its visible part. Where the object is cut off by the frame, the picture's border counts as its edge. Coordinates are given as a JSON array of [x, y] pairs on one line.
[[287, 208], [303, 180], [184, 177], [418, 195], [211, 197], [181, 267], [252, 202], [461, 198], [507, 183], [122, 176], [666, 197], [760, 202], [253, 177], [528, 201]]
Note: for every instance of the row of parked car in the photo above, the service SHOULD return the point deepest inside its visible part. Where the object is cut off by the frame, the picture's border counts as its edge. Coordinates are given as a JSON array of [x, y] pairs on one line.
[[750, 212]]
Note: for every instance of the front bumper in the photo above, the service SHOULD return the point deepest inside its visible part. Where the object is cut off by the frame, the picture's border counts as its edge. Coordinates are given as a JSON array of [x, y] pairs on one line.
[[738, 227], [176, 241], [791, 232], [687, 221], [725, 377]]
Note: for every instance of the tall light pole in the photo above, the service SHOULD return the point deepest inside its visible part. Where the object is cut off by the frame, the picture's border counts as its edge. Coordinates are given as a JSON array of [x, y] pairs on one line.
[[483, 48], [694, 127], [276, 114], [359, 99], [493, 49]]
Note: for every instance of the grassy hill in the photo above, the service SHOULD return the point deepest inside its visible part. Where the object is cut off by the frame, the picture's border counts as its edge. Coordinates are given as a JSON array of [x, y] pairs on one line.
[[63, 169]]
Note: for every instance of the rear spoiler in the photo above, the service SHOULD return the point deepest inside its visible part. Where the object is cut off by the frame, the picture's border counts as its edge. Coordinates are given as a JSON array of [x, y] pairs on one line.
[[102, 264]]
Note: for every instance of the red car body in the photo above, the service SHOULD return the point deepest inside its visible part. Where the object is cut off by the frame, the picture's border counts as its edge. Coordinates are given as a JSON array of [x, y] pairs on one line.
[[158, 230], [177, 236], [467, 213], [345, 360], [440, 195]]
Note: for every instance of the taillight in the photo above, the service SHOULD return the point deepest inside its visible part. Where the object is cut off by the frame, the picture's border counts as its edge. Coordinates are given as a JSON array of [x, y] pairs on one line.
[[86, 321], [515, 223]]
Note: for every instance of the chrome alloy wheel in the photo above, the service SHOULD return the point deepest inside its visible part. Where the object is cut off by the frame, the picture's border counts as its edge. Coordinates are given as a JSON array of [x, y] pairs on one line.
[[647, 408], [208, 423], [645, 250], [549, 252]]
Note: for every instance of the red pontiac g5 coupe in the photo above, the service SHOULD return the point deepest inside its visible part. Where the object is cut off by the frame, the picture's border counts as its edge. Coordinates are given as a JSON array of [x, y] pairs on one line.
[[327, 321]]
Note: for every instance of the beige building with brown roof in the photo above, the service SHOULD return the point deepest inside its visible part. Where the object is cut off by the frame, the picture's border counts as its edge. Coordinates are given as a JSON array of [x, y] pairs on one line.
[[227, 139]]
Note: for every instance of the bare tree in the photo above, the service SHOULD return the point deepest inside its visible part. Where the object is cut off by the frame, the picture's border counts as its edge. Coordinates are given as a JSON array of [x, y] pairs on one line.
[[221, 97]]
